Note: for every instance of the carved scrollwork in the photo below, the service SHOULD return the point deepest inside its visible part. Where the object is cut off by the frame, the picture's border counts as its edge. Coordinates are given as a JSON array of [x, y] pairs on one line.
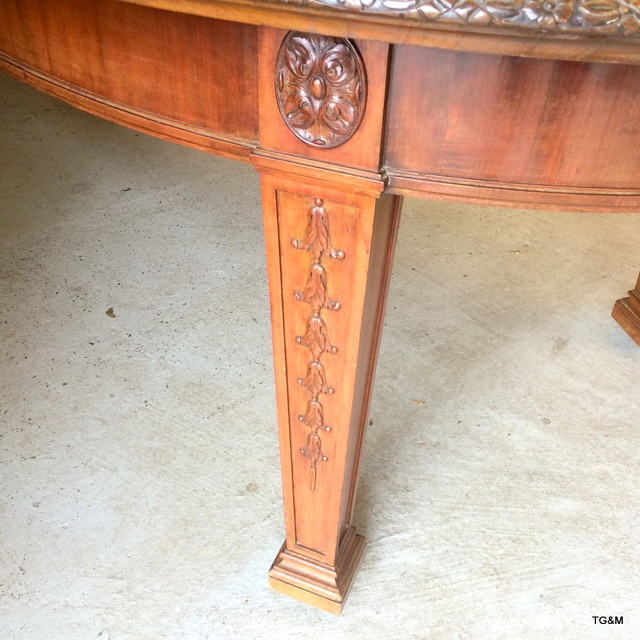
[[321, 88], [316, 337], [605, 17]]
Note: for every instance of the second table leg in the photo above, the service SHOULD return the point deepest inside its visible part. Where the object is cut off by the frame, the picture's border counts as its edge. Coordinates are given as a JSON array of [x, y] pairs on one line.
[[626, 313]]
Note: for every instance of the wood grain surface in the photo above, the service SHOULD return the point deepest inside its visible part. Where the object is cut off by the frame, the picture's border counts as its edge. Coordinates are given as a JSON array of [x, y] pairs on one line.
[[435, 123], [399, 26], [330, 238], [182, 77], [510, 130]]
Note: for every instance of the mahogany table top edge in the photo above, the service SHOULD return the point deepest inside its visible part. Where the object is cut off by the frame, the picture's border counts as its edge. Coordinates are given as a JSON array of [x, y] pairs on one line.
[[608, 31]]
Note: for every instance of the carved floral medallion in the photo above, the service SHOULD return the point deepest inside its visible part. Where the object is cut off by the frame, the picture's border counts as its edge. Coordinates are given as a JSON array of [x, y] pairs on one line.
[[317, 242], [321, 88]]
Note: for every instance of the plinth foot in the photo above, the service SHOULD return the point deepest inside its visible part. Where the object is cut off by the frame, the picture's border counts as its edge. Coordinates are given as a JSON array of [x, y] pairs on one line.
[[315, 583], [626, 312]]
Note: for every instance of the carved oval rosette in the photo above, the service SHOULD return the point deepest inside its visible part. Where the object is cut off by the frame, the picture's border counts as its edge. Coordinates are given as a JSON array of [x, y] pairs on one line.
[[321, 88], [317, 242]]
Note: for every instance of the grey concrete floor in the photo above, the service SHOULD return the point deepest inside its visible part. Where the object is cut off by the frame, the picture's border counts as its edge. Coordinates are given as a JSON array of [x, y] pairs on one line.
[[140, 489]]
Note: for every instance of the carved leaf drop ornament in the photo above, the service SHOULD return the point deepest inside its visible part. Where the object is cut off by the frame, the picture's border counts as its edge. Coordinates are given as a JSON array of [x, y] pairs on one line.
[[316, 239], [321, 88], [316, 380], [314, 417], [317, 242], [315, 293], [316, 338]]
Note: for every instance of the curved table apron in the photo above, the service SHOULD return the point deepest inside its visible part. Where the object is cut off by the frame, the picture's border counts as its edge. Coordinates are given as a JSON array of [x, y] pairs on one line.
[[526, 103]]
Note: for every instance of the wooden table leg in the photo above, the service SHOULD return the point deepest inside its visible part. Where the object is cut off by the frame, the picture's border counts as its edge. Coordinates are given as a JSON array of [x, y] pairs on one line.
[[330, 235], [626, 312], [329, 256]]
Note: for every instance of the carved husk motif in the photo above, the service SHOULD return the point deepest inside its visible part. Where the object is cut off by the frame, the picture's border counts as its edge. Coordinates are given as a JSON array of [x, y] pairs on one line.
[[321, 88], [317, 242]]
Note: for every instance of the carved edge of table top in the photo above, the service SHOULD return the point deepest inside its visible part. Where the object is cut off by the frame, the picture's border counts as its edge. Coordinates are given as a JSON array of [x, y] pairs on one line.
[[582, 19], [576, 17], [582, 30]]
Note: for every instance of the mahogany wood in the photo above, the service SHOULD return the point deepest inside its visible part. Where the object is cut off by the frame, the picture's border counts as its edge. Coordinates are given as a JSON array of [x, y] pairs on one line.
[[181, 77], [506, 130], [362, 21], [363, 150], [321, 88], [330, 237], [420, 121], [626, 313], [319, 491]]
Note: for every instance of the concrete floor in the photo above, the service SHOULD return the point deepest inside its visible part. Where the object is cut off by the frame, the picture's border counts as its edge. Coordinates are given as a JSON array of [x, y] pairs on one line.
[[140, 488]]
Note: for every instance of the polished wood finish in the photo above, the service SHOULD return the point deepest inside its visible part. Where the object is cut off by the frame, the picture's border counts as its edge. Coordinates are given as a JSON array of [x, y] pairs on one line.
[[321, 88], [316, 583], [626, 313], [577, 17], [504, 130], [363, 150], [330, 236], [361, 21], [320, 556], [335, 158], [184, 78]]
